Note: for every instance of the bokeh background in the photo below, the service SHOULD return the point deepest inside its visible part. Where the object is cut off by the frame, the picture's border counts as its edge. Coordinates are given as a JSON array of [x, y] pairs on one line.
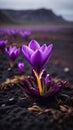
[[48, 21]]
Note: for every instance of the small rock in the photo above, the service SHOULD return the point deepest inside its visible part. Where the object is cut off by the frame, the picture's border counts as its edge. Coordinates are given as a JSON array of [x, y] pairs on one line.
[[66, 69], [9, 69], [7, 80], [11, 99], [3, 105]]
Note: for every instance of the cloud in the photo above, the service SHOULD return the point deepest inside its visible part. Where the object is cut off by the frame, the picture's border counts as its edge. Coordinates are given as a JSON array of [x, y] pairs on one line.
[[56, 4]]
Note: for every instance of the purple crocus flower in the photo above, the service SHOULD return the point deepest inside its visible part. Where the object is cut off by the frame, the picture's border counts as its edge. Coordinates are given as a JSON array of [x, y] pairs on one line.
[[25, 34], [3, 44], [6, 31], [21, 67], [14, 32], [12, 52], [37, 55]]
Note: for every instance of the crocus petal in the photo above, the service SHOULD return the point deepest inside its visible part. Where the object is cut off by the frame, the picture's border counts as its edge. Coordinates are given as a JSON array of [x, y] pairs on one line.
[[36, 59], [33, 92], [34, 45], [27, 52], [12, 49], [17, 52], [47, 53], [6, 42], [7, 52], [2, 45], [13, 56], [43, 48], [29, 89], [55, 90], [47, 80]]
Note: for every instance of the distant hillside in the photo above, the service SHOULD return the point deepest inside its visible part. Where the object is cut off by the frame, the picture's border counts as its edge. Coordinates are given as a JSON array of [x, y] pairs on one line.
[[39, 16], [4, 18]]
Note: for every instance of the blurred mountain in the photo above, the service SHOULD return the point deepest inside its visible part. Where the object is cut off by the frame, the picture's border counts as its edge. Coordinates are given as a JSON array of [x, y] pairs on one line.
[[39, 16]]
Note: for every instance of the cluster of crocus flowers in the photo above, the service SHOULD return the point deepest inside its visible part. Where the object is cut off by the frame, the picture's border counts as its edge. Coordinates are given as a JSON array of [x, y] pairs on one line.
[[37, 56], [3, 44], [12, 53]]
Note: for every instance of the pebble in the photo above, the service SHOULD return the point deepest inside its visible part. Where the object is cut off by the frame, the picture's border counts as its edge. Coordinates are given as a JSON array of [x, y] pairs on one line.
[[9, 69], [66, 69], [3, 105], [11, 99], [7, 80], [34, 103]]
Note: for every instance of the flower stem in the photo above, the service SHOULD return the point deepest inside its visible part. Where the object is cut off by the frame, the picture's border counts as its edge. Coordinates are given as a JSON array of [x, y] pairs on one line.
[[11, 64], [38, 77]]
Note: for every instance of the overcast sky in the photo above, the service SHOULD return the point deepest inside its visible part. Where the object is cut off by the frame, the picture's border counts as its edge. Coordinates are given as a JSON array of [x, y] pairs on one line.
[[61, 7]]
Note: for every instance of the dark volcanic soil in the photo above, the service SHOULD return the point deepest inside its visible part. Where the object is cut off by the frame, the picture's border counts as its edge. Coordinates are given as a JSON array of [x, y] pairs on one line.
[[57, 112]]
